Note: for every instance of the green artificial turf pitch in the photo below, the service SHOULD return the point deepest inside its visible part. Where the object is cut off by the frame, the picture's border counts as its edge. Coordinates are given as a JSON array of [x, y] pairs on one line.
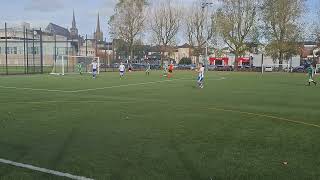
[[240, 126]]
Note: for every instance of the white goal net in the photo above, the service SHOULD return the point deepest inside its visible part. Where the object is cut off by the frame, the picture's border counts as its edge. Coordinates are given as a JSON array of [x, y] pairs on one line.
[[276, 68], [74, 65]]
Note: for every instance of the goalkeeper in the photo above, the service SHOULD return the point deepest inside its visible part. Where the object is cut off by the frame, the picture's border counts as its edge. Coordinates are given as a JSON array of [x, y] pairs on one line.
[[310, 71], [79, 68]]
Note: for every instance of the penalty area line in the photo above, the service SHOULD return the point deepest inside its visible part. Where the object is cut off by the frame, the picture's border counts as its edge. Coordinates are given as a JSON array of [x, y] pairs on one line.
[[43, 170], [266, 116]]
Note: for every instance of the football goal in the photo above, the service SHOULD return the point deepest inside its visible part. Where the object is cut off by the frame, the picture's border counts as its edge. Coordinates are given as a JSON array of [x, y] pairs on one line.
[[74, 64], [275, 68]]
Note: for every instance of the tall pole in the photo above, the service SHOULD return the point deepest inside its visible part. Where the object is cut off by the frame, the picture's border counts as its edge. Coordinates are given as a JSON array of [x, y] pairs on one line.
[[41, 51], [33, 51], [113, 51], [262, 63], [79, 46], [96, 47], [108, 54], [55, 50], [205, 5], [68, 50], [27, 46], [86, 45], [206, 58], [72, 44], [6, 46], [105, 55], [24, 50]]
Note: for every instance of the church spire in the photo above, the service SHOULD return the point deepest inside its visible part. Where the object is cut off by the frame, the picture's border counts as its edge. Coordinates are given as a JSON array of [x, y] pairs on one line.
[[74, 29], [98, 24], [98, 33], [74, 24]]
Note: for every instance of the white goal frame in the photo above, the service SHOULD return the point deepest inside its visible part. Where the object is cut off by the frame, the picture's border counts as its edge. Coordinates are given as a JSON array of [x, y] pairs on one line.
[[287, 66], [63, 57]]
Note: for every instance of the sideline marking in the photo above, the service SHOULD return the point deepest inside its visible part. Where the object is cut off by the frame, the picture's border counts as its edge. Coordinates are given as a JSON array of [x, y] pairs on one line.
[[43, 170], [265, 115], [101, 88]]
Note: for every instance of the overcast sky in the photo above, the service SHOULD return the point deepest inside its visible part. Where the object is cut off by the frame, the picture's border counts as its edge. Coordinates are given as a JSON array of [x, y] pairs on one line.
[[40, 12]]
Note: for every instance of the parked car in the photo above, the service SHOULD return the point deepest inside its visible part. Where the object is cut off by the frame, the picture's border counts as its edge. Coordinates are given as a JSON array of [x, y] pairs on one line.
[[224, 68], [300, 69], [268, 69], [211, 67]]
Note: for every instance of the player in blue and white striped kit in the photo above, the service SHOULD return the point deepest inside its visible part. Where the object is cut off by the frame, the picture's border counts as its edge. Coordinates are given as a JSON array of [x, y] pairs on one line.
[[201, 76]]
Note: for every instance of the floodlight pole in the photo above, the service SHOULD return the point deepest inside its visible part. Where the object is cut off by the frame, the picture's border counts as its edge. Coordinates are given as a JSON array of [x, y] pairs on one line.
[[204, 5]]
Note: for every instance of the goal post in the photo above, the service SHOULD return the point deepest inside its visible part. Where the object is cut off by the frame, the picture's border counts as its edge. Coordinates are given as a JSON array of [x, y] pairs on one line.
[[275, 68], [74, 65]]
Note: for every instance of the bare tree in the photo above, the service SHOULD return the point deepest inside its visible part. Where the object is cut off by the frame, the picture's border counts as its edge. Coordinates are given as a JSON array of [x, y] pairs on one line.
[[198, 27], [281, 18], [317, 28], [128, 21], [165, 24], [236, 23]]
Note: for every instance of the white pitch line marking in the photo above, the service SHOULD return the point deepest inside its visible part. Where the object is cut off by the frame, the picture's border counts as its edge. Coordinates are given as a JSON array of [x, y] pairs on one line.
[[33, 89], [107, 87], [119, 86], [265, 115], [43, 170]]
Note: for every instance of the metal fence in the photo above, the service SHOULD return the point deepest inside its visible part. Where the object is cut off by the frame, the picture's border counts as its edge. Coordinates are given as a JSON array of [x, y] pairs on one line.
[[33, 51], [21, 51]]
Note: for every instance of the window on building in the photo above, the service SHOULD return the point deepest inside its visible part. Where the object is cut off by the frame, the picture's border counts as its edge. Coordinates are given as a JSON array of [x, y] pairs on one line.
[[37, 51], [219, 63], [15, 50], [20, 50], [9, 50]]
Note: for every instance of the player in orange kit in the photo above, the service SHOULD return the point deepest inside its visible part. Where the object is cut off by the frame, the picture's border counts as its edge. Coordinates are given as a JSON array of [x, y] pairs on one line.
[[170, 70]]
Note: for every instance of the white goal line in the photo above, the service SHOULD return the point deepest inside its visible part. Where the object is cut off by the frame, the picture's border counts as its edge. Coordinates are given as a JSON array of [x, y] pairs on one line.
[[43, 170], [101, 88]]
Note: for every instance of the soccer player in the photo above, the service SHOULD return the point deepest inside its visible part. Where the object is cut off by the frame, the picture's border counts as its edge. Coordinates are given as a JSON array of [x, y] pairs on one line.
[[165, 70], [94, 69], [170, 70], [130, 68], [79, 68], [148, 68], [310, 71], [200, 76], [122, 70]]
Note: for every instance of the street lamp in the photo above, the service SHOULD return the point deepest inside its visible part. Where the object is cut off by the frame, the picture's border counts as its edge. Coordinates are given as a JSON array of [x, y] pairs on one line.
[[204, 5]]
